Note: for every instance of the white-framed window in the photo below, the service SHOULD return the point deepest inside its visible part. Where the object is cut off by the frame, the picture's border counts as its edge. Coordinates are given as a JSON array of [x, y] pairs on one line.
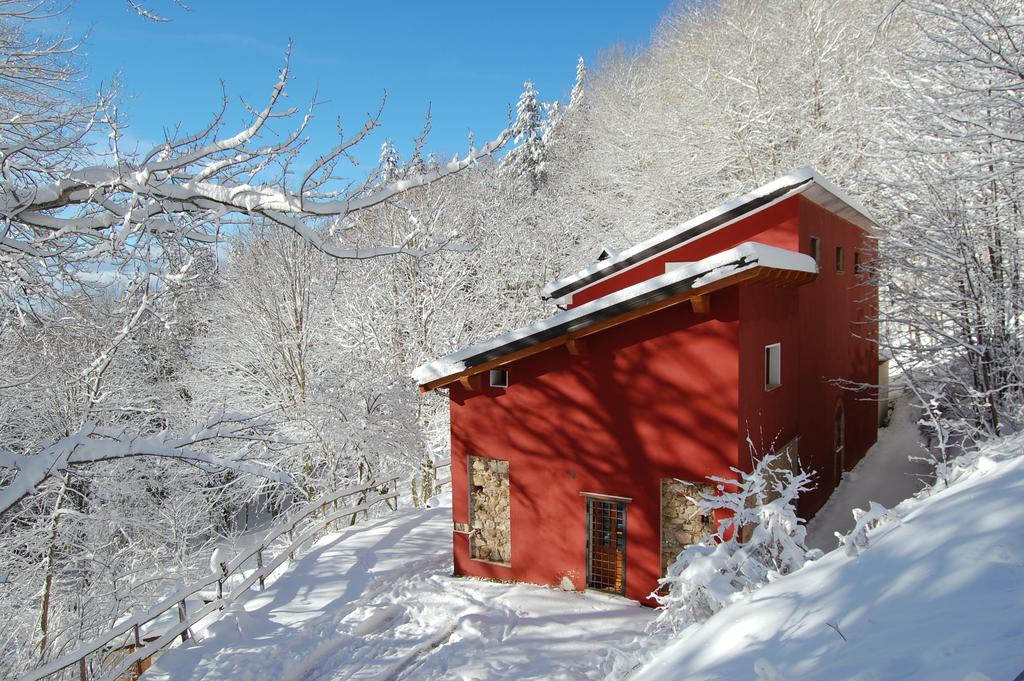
[[498, 378], [772, 366]]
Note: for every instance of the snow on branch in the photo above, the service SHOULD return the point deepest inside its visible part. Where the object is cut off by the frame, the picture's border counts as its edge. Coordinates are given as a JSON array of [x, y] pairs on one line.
[[856, 541], [94, 444], [188, 187]]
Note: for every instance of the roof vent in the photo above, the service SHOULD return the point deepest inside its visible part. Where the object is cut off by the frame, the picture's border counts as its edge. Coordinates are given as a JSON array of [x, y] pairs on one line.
[[607, 252]]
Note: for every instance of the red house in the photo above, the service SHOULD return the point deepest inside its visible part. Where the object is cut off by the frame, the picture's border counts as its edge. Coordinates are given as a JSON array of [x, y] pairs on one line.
[[577, 439]]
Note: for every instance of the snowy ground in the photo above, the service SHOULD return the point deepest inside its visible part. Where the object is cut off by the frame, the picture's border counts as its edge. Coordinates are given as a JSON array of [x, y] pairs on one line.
[[938, 595], [379, 602], [885, 475]]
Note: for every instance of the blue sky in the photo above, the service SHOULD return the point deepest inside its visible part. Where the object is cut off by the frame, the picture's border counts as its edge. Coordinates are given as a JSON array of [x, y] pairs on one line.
[[466, 60]]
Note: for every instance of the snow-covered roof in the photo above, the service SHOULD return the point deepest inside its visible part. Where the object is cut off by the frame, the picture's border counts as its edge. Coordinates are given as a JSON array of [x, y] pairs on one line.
[[805, 180], [678, 278]]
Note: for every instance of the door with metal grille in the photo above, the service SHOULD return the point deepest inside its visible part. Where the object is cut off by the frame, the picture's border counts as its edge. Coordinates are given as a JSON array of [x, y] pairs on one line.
[[606, 545]]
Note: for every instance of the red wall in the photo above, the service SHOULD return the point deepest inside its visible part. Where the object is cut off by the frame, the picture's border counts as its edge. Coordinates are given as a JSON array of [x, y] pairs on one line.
[[774, 226], [653, 398]]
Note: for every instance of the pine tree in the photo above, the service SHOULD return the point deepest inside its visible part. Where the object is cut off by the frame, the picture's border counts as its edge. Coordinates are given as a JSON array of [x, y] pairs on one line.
[[576, 98], [390, 163], [527, 158]]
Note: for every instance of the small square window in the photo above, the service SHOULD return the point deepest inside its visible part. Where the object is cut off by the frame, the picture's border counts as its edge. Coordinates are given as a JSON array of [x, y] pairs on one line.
[[499, 378], [772, 366], [858, 266], [816, 249], [840, 259]]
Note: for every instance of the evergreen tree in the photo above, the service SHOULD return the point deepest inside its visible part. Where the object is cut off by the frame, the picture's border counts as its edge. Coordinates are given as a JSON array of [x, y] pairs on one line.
[[390, 163], [576, 98], [527, 158]]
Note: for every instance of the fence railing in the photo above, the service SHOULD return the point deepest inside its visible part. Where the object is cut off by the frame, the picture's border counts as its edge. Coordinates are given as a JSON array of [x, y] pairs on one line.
[[128, 634]]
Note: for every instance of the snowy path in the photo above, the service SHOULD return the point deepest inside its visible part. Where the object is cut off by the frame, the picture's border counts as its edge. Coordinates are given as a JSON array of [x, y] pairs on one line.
[[885, 475], [379, 602]]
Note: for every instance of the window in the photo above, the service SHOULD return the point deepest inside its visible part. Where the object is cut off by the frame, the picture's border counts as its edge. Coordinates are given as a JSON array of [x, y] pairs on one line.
[[682, 521], [499, 378], [490, 523], [840, 260], [816, 249], [858, 267], [789, 456], [772, 366]]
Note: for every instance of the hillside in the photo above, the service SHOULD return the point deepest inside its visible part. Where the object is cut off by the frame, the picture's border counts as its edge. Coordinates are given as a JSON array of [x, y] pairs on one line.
[[936, 595]]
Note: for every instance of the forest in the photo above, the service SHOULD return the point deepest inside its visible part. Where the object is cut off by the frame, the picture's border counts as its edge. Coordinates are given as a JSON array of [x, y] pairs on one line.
[[199, 335]]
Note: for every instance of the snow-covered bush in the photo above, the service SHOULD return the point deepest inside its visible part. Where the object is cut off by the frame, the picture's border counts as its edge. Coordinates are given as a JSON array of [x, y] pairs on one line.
[[856, 540], [760, 538]]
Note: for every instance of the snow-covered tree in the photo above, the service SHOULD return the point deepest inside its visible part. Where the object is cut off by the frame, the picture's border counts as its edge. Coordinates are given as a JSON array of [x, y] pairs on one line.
[[390, 163], [954, 183], [142, 217], [527, 159], [578, 88], [759, 538], [109, 255]]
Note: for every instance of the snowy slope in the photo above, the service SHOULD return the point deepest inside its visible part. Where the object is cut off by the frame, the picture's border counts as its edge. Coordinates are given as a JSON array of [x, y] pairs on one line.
[[937, 596], [379, 602]]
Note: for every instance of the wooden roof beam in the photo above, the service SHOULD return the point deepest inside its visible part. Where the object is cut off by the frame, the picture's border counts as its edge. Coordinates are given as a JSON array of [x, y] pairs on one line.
[[577, 347]]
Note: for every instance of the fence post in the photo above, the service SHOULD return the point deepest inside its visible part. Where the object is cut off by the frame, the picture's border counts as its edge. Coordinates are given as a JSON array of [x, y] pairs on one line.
[[392, 487], [220, 581], [182, 613], [325, 510], [259, 568], [138, 645], [82, 674]]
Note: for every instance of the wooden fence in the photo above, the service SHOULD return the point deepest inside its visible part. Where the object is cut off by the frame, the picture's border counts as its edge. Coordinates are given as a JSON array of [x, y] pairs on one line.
[[309, 522]]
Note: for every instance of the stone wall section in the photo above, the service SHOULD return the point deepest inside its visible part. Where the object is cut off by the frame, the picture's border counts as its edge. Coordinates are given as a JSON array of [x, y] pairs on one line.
[[682, 523], [489, 511]]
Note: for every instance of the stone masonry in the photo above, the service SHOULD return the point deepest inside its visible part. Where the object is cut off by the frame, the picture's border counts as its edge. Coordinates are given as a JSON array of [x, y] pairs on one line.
[[489, 515], [681, 521]]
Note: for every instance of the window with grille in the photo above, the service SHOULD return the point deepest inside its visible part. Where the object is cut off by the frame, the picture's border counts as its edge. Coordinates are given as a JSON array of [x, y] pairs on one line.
[[606, 545]]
